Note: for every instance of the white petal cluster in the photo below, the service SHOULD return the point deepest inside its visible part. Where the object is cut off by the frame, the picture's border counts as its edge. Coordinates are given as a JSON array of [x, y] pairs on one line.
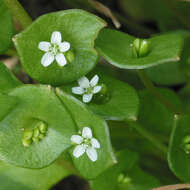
[[54, 50], [85, 143], [87, 88]]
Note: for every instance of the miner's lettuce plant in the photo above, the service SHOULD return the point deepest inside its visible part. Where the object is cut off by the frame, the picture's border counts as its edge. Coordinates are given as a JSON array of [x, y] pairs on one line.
[[78, 118]]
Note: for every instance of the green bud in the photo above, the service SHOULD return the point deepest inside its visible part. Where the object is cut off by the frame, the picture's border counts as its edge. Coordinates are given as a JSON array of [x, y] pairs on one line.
[[41, 136], [26, 142], [120, 178], [103, 96], [36, 132], [28, 134], [36, 139], [43, 127], [70, 56], [186, 140], [187, 147], [140, 47]]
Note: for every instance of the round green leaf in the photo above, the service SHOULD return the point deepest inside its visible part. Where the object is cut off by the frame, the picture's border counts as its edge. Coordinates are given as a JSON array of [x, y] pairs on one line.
[[77, 27], [178, 157], [167, 74], [6, 29], [123, 101], [159, 119], [83, 117], [116, 48], [7, 79], [36, 103], [28, 179]]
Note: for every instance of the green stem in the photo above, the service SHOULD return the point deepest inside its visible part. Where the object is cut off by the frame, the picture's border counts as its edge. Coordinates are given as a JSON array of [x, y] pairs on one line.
[[150, 86], [163, 148], [19, 12]]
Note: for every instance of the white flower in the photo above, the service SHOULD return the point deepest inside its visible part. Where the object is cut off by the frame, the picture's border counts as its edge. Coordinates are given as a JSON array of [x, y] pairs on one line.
[[54, 50], [85, 143], [87, 88]]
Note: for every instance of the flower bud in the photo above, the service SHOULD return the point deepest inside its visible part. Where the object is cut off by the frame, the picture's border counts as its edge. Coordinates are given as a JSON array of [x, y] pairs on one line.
[[36, 132], [186, 140], [70, 56], [26, 142], [140, 47], [43, 127]]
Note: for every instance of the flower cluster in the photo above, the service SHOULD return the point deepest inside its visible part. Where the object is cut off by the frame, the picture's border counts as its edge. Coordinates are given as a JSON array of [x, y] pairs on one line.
[[87, 88], [54, 50], [85, 143]]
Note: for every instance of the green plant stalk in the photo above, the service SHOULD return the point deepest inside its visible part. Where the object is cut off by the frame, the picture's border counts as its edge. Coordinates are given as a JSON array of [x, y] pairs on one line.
[[151, 138], [150, 86], [19, 12]]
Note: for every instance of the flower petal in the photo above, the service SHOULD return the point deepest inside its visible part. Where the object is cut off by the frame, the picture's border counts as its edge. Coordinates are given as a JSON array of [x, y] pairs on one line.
[[84, 82], [95, 143], [61, 60], [47, 59], [65, 46], [94, 80], [77, 90], [79, 151], [56, 37], [92, 154], [87, 98], [44, 46], [97, 89], [76, 139], [86, 132]]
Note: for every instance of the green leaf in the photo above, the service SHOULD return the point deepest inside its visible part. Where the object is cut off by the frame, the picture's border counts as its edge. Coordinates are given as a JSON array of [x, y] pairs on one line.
[[167, 74], [136, 178], [178, 156], [27, 179], [122, 103], [116, 48], [7, 79], [83, 117], [126, 161], [6, 29], [184, 94], [77, 27], [159, 119], [140, 180], [36, 104]]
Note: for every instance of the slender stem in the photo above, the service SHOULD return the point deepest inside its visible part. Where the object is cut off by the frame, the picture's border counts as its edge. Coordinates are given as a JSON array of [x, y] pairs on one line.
[[18, 11], [150, 86], [163, 148]]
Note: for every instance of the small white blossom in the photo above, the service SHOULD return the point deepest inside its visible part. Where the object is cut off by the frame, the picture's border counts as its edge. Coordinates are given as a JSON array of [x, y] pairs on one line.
[[54, 50], [85, 143], [87, 88]]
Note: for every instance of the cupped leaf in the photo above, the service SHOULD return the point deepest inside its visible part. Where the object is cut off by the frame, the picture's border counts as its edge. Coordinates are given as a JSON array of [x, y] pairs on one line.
[[116, 48], [178, 156], [77, 27], [159, 119], [83, 117], [7, 79], [126, 161], [37, 104], [122, 102], [6, 29], [167, 74], [28, 179]]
